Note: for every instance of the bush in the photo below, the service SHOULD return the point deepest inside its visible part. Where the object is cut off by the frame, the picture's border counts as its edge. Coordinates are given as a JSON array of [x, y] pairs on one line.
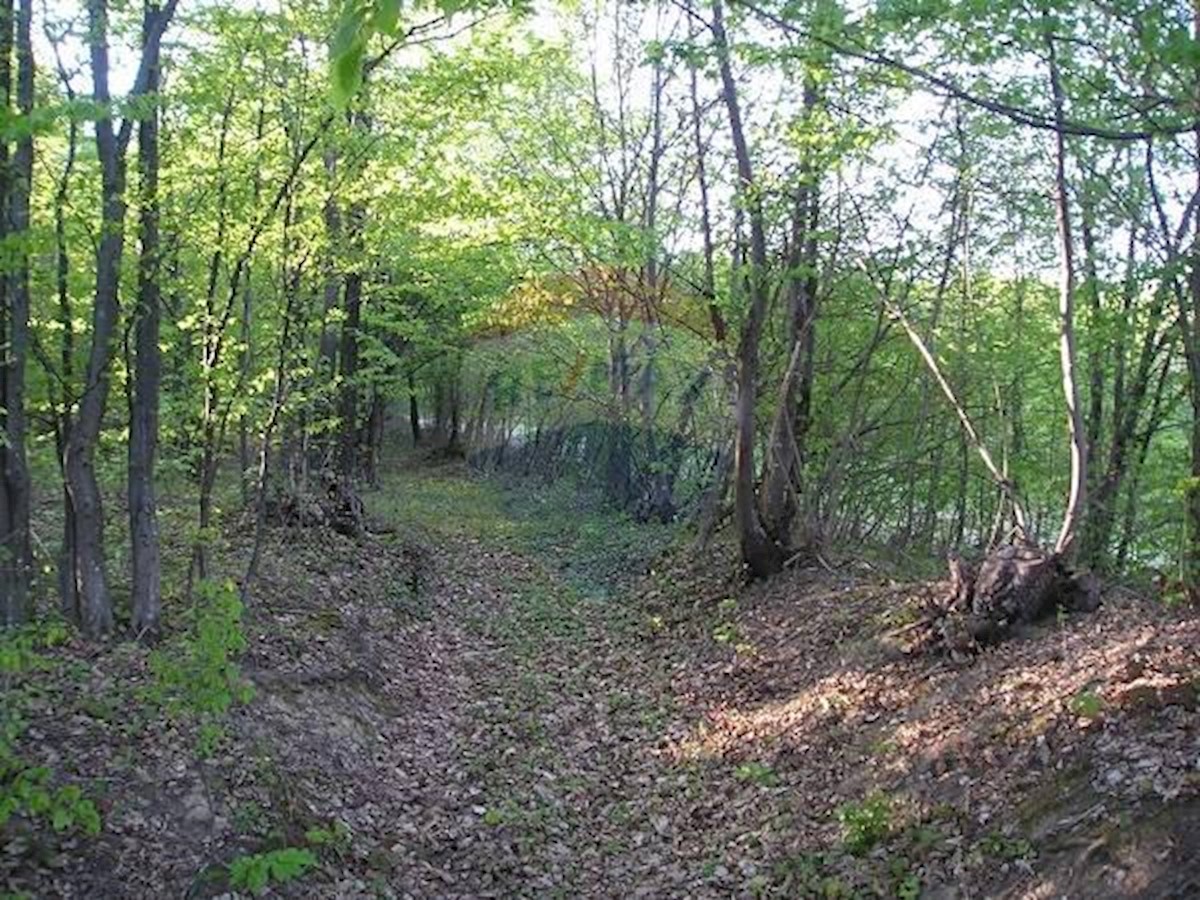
[[198, 674]]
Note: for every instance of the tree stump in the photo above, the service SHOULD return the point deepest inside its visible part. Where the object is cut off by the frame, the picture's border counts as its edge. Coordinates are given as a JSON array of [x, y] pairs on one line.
[[1015, 584]]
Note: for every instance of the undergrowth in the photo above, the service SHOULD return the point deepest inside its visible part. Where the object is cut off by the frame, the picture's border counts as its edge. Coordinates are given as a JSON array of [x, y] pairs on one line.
[[197, 675], [257, 871], [28, 791]]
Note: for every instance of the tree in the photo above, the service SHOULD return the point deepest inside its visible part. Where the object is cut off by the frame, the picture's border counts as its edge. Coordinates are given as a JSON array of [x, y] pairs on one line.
[[15, 188], [87, 562], [147, 366]]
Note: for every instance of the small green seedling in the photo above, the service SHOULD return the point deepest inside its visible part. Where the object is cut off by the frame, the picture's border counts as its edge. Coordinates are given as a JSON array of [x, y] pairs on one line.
[[258, 871], [865, 824]]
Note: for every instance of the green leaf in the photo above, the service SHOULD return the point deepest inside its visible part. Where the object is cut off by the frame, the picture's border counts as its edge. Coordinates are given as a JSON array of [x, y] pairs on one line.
[[349, 30], [387, 17], [348, 74]]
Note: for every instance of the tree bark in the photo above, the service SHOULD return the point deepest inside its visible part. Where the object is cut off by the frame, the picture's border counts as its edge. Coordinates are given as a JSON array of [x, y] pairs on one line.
[[146, 598], [762, 555], [348, 362], [414, 411], [91, 581], [781, 479], [15, 603], [1077, 492], [88, 564]]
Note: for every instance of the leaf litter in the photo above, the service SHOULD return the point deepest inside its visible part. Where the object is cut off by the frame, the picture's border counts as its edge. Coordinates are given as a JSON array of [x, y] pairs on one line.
[[480, 705]]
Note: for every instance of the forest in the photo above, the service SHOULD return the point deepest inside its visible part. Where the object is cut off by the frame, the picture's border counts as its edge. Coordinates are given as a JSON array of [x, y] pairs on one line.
[[659, 448]]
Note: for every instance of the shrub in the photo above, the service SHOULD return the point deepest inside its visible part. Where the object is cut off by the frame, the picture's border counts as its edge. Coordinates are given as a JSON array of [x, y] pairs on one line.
[[198, 674]]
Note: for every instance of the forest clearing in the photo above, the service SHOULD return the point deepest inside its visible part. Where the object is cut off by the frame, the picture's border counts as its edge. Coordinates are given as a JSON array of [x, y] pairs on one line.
[[672, 448]]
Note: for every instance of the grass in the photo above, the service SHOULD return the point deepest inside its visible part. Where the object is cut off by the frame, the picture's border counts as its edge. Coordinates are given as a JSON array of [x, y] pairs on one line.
[[592, 547]]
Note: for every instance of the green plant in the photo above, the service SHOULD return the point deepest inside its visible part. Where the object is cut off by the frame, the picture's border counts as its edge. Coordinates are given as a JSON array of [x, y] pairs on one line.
[[19, 647], [800, 875], [198, 674], [1001, 846], [1086, 705], [757, 772], [908, 887], [259, 870], [905, 883], [251, 818], [865, 824], [493, 817], [336, 838], [26, 790], [725, 631]]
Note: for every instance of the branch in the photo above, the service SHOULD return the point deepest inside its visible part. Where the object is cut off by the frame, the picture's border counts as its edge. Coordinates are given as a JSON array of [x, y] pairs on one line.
[[948, 87]]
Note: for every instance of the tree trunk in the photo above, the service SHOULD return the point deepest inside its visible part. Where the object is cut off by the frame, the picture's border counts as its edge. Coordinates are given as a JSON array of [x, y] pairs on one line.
[[15, 501], [376, 421], [1077, 493], [333, 282], [762, 555], [91, 582], [781, 479], [69, 604], [348, 361], [455, 399], [414, 411], [146, 598], [88, 565]]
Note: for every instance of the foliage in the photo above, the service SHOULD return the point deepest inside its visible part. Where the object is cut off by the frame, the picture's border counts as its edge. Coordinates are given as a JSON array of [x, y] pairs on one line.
[[335, 839], [1087, 704], [757, 773], [256, 872], [866, 823], [20, 646], [27, 790], [1001, 846], [198, 675]]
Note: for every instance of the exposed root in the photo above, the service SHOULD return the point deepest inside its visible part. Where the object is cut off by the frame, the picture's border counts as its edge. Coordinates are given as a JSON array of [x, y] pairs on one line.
[[1015, 584]]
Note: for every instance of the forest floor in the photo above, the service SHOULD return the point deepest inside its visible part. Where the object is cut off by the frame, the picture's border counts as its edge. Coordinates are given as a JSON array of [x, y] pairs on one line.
[[511, 692]]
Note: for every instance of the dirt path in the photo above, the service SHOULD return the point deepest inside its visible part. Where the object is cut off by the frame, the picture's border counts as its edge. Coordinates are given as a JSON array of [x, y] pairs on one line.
[[497, 734]]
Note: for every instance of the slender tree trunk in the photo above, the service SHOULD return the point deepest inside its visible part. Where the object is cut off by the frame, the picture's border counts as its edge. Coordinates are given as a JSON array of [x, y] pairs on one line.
[[348, 446], [455, 399], [1191, 565], [781, 479], [762, 555], [278, 398], [210, 360], [1077, 494], [69, 604], [146, 600], [15, 503], [348, 360], [247, 335], [376, 422], [414, 411], [91, 581], [333, 280]]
